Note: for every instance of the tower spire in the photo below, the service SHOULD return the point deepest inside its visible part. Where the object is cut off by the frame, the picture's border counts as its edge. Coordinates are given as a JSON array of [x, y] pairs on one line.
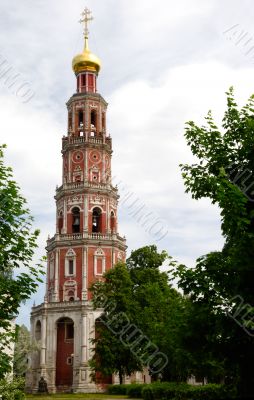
[[87, 17], [86, 61]]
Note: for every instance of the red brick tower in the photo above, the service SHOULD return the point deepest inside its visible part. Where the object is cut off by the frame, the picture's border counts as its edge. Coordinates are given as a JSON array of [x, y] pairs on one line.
[[86, 242]]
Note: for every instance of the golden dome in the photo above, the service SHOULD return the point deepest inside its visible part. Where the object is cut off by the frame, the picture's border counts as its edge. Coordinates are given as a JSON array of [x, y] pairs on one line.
[[86, 61]]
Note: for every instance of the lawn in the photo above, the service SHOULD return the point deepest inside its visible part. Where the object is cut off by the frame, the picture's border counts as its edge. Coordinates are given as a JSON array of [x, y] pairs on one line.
[[75, 396]]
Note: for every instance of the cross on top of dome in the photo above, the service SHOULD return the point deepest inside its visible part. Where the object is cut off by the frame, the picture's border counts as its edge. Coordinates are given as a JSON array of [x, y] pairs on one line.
[[87, 17]]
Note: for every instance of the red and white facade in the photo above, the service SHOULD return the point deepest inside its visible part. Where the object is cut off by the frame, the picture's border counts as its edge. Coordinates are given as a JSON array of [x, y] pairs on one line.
[[86, 244]]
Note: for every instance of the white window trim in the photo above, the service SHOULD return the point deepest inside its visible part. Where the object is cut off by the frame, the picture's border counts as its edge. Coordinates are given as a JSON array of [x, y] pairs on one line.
[[99, 254], [70, 255]]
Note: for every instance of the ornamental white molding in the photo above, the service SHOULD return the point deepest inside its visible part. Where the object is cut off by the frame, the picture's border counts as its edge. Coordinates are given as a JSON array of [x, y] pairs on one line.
[[74, 200], [99, 252], [93, 105], [70, 283], [97, 200], [70, 253]]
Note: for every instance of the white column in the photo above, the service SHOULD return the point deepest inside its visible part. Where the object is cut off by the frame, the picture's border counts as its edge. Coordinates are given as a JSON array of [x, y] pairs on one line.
[[85, 213], [90, 334], [69, 166], [73, 118], [86, 176], [108, 216], [103, 168], [56, 288], [83, 338], [64, 230], [47, 277], [84, 274], [43, 341]]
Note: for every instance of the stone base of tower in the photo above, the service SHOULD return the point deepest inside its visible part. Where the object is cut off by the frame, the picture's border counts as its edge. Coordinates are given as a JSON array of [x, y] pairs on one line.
[[80, 386], [63, 332]]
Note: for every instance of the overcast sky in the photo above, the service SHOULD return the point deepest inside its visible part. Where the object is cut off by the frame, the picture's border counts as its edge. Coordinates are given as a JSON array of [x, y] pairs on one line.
[[163, 63]]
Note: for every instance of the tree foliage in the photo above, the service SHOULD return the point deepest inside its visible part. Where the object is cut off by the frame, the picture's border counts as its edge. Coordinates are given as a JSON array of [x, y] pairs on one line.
[[223, 172], [22, 350], [142, 315], [115, 296], [18, 278]]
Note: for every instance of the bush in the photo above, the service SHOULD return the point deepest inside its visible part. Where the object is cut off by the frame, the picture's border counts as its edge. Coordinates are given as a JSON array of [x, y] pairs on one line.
[[183, 391], [12, 390], [117, 389], [135, 390]]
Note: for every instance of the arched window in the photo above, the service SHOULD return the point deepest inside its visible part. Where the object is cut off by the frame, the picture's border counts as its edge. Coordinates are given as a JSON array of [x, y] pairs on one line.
[[103, 121], [112, 221], [38, 330], [70, 120], [96, 220], [75, 220], [71, 267], [70, 263], [80, 119], [60, 222], [93, 120]]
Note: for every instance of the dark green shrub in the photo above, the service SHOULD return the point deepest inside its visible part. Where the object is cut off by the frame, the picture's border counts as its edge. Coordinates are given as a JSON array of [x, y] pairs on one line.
[[135, 390], [147, 393], [183, 391], [117, 389]]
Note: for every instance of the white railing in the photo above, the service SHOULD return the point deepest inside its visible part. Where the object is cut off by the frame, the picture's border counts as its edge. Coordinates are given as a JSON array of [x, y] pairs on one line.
[[84, 185], [89, 139], [85, 235]]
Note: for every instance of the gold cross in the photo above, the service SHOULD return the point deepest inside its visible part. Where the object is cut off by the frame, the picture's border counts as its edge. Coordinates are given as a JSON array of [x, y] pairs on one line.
[[87, 17]]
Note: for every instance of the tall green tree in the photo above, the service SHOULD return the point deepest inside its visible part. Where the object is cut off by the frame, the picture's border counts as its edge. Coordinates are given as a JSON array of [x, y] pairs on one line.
[[22, 349], [114, 295], [142, 320], [18, 277], [221, 284], [160, 310]]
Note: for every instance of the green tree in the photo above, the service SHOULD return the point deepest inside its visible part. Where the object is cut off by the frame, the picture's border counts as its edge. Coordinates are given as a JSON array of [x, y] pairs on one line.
[[18, 279], [115, 296], [160, 311], [23, 347], [143, 316], [221, 280]]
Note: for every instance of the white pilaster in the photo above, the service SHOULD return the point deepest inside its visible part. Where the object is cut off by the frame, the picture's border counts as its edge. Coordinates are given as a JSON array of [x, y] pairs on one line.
[[56, 288], [85, 213], [84, 338], [84, 274], [64, 230], [43, 341]]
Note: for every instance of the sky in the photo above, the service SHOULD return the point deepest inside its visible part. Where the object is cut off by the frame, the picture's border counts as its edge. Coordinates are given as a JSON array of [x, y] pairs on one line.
[[163, 63]]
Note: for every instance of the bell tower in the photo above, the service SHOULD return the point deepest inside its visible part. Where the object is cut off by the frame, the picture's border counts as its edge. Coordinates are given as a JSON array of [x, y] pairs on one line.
[[86, 242]]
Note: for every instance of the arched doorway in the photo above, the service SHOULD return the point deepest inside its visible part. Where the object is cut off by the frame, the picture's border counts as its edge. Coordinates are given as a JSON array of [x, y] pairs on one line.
[[64, 353]]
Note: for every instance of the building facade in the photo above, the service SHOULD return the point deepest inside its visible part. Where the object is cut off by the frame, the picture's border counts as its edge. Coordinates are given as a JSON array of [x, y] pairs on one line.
[[86, 242]]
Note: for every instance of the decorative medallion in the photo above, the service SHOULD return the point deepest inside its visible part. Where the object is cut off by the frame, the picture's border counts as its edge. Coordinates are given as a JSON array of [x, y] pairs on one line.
[[94, 156], [77, 156]]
